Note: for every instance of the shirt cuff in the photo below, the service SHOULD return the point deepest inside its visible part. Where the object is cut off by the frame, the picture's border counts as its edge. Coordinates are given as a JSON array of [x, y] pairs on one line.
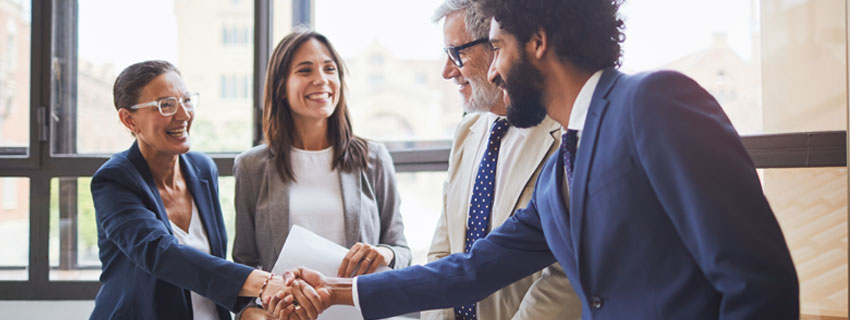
[[354, 296]]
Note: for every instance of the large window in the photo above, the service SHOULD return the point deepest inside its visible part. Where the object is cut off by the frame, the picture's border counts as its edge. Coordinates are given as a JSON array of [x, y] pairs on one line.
[[217, 65], [395, 61]]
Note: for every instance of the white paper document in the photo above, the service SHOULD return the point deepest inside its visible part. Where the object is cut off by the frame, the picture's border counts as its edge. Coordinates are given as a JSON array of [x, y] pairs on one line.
[[303, 248]]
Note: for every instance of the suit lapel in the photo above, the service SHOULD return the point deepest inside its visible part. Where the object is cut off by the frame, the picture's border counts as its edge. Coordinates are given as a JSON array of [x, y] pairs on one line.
[[518, 174], [200, 189], [278, 210], [586, 150], [351, 191], [135, 156], [458, 197]]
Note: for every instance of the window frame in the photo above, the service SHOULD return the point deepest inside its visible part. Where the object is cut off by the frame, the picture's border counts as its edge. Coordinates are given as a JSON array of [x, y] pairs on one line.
[[784, 150]]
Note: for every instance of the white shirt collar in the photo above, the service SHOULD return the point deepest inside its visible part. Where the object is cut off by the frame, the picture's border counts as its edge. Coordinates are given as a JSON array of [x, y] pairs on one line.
[[582, 103]]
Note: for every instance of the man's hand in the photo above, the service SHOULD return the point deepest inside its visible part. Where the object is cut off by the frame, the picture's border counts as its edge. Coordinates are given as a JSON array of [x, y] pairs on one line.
[[309, 292], [314, 293], [365, 259]]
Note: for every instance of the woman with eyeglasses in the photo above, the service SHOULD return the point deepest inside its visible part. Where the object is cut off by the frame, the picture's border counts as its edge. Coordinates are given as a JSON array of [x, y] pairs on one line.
[[159, 226], [312, 171]]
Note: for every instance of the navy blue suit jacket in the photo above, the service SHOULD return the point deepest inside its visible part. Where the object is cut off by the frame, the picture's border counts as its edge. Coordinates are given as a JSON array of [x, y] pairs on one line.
[[146, 273], [668, 220]]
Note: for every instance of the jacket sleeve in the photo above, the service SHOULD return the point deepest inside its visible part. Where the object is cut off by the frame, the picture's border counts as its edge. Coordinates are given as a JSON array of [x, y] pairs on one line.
[[138, 234], [518, 247], [708, 186], [244, 241], [245, 249], [392, 227]]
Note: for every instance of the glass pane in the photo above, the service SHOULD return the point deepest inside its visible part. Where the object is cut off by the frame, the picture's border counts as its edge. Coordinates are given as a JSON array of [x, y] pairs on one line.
[[14, 228], [804, 65], [281, 21], [15, 22], [394, 83], [210, 42], [811, 206], [227, 194], [773, 65], [73, 250], [421, 203]]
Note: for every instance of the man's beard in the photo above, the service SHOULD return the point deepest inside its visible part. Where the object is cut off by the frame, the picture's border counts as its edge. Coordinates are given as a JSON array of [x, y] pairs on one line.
[[524, 86], [484, 94]]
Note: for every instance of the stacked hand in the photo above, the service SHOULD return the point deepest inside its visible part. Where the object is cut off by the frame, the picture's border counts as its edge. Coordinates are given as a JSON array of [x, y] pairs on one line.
[[305, 298]]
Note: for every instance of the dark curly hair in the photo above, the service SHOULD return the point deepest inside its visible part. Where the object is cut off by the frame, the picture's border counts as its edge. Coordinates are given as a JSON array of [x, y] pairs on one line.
[[587, 33]]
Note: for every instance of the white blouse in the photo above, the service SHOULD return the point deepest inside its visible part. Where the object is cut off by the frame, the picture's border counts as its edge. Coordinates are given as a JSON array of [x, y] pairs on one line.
[[315, 197], [202, 307]]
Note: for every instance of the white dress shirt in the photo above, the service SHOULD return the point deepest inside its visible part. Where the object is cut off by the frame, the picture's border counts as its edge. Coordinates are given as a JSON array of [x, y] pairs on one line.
[[577, 118], [579, 113]]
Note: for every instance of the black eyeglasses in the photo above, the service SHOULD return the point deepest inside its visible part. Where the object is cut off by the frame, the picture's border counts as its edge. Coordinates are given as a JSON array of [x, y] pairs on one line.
[[454, 52]]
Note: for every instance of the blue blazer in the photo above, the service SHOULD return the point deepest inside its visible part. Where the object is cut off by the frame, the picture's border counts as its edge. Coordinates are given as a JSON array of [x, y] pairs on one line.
[[146, 273], [668, 220]]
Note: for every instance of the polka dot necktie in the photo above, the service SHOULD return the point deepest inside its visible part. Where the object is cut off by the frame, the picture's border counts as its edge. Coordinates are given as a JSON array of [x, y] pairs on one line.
[[569, 143], [480, 206]]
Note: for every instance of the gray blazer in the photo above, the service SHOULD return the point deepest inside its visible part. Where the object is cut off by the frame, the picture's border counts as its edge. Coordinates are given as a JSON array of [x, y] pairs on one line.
[[370, 202]]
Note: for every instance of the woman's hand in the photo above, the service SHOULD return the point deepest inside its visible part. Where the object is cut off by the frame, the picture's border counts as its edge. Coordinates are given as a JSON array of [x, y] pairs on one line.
[[276, 297], [276, 284], [365, 259], [302, 301]]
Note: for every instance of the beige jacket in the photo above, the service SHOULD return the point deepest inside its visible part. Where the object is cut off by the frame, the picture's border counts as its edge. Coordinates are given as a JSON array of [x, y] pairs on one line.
[[546, 294]]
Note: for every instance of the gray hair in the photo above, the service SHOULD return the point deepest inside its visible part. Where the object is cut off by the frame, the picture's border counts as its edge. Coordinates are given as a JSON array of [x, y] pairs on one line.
[[129, 84], [476, 23]]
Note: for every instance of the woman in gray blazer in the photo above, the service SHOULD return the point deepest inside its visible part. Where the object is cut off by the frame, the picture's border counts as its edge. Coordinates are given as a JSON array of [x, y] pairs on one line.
[[313, 171]]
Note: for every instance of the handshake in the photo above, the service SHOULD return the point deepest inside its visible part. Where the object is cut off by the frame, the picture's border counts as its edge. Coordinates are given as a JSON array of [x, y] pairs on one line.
[[302, 294]]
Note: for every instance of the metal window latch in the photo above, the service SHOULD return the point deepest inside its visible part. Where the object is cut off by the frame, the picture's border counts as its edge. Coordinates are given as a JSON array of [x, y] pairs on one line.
[[42, 124]]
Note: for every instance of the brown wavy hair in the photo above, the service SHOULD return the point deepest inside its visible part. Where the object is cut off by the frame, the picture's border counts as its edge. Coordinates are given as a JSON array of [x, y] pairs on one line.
[[349, 151]]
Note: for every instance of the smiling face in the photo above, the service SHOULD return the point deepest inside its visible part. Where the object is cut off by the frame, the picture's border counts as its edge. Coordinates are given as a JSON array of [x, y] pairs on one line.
[[478, 94], [158, 134], [313, 85], [521, 82]]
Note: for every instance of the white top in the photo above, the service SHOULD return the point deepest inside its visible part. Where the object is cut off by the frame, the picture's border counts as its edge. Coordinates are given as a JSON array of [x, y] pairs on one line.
[[507, 153], [577, 118], [315, 198], [202, 307]]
